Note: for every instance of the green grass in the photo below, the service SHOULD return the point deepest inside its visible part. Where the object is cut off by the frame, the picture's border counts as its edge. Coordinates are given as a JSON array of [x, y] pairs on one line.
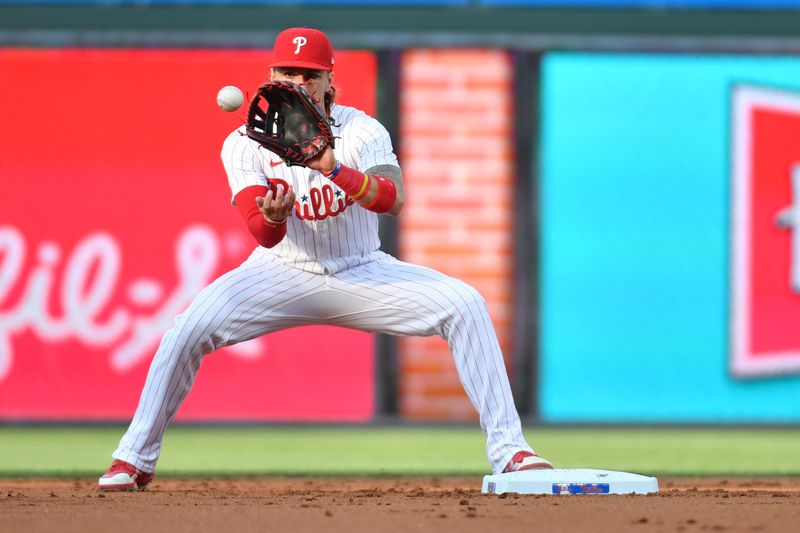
[[78, 451]]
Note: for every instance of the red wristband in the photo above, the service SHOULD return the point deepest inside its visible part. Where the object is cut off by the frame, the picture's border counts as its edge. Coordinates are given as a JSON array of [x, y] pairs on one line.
[[387, 194], [351, 181]]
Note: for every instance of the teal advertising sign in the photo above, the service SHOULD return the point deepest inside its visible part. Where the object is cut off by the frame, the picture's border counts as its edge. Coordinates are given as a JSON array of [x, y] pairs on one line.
[[636, 243]]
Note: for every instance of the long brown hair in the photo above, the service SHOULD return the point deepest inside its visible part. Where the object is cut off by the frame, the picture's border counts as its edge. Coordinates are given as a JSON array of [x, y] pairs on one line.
[[330, 96]]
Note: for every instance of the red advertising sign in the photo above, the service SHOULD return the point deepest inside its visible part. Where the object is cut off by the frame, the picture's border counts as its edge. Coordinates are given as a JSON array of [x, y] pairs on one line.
[[115, 211], [766, 229]]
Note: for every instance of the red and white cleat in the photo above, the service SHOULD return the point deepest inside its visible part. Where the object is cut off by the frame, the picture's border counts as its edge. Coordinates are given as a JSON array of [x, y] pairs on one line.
[[526, 461], [123, 476]]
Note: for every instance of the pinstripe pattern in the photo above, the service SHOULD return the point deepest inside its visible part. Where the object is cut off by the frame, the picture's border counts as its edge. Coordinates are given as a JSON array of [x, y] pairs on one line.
[[413, 300], [327, 270], [320, 238]]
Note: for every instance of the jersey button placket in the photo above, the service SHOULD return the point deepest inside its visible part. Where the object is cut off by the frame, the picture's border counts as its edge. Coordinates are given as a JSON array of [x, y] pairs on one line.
[[318, 181]]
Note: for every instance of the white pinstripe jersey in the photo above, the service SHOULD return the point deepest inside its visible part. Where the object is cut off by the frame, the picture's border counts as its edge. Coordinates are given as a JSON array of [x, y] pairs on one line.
[[327, 231]]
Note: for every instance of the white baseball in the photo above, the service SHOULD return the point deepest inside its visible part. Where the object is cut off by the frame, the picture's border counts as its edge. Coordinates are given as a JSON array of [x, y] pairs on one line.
[[230, 98]]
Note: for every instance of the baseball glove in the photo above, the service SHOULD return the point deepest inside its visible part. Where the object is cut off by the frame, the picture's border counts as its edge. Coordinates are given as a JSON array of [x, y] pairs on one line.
[[285, 120]]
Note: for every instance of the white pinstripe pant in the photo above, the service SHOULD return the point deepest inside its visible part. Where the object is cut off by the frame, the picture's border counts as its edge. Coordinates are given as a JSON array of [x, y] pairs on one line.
[[384, 295]]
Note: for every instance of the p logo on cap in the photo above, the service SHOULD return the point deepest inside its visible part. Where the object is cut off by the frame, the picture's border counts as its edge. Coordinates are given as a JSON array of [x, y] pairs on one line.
[[300, 41], [303, 48]]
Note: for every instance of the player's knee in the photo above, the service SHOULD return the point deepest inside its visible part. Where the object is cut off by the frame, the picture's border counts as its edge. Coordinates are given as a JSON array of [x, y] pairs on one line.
[[469, 300], [196, 334]]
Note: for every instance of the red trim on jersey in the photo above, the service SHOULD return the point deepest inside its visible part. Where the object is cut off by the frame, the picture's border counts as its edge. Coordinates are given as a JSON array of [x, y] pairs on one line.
[[265, 233]]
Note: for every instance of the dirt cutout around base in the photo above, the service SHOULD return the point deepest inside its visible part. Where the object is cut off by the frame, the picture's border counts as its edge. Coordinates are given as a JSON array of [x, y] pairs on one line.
[[450, 504]]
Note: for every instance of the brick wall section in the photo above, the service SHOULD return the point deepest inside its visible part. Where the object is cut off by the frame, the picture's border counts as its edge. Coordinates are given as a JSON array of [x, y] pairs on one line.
[[457, 159]]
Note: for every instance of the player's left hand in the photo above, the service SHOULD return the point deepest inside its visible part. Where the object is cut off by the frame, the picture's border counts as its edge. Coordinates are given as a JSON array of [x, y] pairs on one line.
[[277, 204]]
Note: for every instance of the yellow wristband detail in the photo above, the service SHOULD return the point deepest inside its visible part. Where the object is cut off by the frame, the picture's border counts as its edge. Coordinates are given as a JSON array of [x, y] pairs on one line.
[[363, 190]]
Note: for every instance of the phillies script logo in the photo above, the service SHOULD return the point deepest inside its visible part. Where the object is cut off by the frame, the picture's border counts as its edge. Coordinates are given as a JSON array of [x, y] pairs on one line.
[[765, 261], [318, 203], [88, 289]]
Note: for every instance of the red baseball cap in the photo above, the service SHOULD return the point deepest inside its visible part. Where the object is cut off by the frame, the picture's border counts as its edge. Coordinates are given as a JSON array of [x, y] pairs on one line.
[[304, 48]]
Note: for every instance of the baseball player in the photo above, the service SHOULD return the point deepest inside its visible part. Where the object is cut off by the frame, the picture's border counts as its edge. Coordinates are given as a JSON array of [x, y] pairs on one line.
[[318, 263]]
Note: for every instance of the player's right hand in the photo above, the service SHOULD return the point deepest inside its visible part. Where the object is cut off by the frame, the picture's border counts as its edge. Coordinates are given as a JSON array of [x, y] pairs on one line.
[[277, 204], [325, 162]]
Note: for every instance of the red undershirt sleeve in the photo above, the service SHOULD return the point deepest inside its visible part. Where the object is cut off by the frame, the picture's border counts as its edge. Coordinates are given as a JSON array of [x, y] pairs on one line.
[[266, 235]]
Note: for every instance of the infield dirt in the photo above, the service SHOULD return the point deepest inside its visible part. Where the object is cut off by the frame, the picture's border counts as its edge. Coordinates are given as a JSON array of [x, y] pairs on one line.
[[392, 504]]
